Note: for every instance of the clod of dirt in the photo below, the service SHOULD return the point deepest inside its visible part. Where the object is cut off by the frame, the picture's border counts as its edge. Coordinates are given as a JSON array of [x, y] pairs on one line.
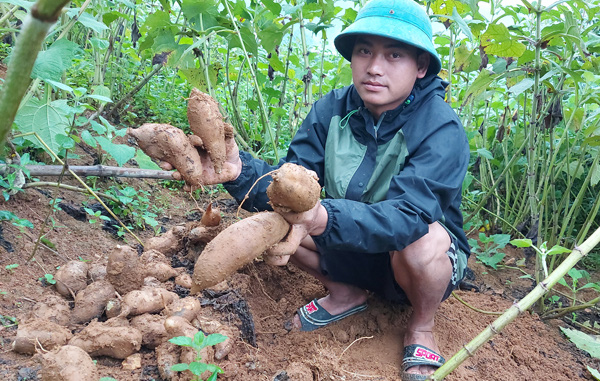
[[170, 144], [124, 270], [69, 363], [298, 371], [294, 188], [113, 338], [236, 246], [169, 243], [52, 308], [39, 333], [71, 278], [207, 123], [133, 362], [157, 265], [152, 328], [91, 302]]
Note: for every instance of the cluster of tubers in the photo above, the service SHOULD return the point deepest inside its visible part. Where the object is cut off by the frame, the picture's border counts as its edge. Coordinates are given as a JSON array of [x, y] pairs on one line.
[[293, 189], [121, 307]]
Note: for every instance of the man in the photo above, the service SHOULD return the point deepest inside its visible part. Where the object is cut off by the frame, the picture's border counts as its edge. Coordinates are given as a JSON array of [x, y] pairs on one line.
[[391, 156]]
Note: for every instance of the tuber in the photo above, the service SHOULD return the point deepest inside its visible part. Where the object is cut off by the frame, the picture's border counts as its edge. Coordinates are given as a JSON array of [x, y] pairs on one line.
[[146, 300], [169, 243], [157, 265], [211, 217], [294, 188], [187, 308], [206, 122], [91, 301], [113, 338], [52, 308], [69, 363], [124, 270], [170, 144], [236, 246], [40, 334], [71, 278], [152, 328]]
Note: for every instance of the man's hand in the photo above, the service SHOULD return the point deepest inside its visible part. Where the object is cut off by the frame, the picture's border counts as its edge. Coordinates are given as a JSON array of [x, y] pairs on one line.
[[231, 170], [313, 221]]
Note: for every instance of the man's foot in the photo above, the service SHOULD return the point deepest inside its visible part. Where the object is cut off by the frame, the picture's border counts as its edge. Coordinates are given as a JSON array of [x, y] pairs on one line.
[[333, 309], [427, 349]]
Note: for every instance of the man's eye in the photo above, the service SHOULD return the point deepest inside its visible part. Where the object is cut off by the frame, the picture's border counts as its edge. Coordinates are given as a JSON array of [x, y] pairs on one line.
[[396, 55], [363, 51]]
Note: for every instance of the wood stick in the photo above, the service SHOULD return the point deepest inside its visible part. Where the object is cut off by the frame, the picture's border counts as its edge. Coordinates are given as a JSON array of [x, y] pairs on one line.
[[95, 170]]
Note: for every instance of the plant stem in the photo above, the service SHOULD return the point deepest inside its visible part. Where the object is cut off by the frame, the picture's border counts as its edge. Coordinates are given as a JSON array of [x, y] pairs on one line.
[[517, 308]]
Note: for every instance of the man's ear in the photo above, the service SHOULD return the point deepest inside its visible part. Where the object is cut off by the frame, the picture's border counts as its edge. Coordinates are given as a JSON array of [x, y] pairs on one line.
[[422, 64]]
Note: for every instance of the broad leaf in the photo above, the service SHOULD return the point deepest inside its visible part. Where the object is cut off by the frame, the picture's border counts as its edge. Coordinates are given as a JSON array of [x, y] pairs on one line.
[[182, 341], [497, 41], [594, 373], [20, 3], [52, 63], [87, 20], [120, 152], [47, 120], [583, 341], [179, 367], [521, 242], [197, 368], [213, 339], [522, 86]]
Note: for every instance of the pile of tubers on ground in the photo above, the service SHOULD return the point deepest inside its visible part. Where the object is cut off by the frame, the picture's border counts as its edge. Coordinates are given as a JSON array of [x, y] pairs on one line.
[[121, 306], [293, 189]]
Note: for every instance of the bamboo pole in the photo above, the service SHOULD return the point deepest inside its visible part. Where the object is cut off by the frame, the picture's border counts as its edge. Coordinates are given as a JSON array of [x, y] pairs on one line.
[[94, 170], [42, 16], [523, 305]]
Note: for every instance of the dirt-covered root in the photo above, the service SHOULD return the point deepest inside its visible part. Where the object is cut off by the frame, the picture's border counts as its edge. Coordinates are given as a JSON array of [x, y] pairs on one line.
[[294, 188], [96, 272], [184, 280], [212, 326], [69, 363], [167, 355], [204, 234], [157, 265], [168, 243], [52, 308], [188, 308], [124, 270], [236, 246], [41, 335], [180, 326], [71, 278], [114, 338], [170, 144], [147, 300], [152, 327], [206, 122], [211, 216], [91, 301]]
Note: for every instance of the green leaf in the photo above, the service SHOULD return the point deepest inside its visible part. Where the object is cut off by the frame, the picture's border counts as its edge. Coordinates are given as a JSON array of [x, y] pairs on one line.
[[87, 20], [594, 373], [100, 98], [179, 367], [20, 3], [214, 338], [522, 86], [498, 41], [595, 179], [521, 242], [144, 161], [52, 63], [107, 379], [485, 153], [272, 6], [198, 341], [47, 120], [557, 250], [197, 368], [182, 341], [60, 85], [462, 24], [583, 341], [120, 152], [491, 261]]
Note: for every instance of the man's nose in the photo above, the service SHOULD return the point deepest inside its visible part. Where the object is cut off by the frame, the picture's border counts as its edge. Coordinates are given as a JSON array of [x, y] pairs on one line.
[[375, 65]]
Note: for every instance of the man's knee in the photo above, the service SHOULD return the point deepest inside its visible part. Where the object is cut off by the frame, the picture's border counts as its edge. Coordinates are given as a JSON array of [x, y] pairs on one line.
[[428, 250]]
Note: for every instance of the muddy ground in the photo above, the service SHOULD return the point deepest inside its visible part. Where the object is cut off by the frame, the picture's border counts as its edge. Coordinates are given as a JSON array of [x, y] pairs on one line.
[[260, 298]]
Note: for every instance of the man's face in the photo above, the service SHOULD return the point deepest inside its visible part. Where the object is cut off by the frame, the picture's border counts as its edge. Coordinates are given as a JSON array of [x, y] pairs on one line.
[[384, 71]]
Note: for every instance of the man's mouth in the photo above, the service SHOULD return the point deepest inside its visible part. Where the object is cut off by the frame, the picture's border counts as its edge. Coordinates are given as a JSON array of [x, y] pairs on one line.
[[372, 85]]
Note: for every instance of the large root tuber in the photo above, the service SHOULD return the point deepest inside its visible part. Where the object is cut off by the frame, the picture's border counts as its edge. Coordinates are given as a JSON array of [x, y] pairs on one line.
[[52, 308], [294, 188], [40, 334], [157, 265], [167, 143], [124, 270], [146, 300], [236, 246], [152, 328], [71, 278], [207, 123], [91, 302], [113, 338], [169, 243], [69, 363]]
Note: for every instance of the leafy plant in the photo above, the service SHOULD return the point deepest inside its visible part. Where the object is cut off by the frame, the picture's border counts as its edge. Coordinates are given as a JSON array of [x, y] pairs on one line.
[[576, 276], [10, 268], [487, 248], [198, 342], [134, 206], [8, 321], [48, 278]]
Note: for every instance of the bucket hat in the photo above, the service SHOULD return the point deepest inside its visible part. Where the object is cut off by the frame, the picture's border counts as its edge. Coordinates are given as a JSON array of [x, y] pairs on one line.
[[402, 20]]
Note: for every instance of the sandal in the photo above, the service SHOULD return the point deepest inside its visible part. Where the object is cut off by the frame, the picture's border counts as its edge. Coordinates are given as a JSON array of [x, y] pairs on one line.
[[313, 315], [415, 355]]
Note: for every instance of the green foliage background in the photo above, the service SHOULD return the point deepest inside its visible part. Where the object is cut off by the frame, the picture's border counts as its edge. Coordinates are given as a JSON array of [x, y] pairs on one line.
[[523, 78]]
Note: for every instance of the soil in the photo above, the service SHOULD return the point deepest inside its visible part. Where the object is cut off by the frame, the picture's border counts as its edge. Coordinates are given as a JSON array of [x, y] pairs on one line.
[[259, 299]]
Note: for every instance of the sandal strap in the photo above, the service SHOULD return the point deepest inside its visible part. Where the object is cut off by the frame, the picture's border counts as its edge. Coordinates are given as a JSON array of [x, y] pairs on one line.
[[415, 355]]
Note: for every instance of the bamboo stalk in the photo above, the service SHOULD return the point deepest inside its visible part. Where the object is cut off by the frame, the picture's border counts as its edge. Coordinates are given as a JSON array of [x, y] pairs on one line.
[[95, 170], [523, 305], [43, 15]]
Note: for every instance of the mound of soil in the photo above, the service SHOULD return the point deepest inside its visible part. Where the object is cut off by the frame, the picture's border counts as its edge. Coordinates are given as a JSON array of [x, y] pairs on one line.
[[259, 299]]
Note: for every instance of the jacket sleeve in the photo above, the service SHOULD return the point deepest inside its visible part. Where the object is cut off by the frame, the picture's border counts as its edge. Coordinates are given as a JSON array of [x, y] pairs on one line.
[[306, 149], [429, 183]]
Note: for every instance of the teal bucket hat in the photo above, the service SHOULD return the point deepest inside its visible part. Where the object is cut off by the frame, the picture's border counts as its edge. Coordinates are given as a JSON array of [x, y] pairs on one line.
[[402, 20]]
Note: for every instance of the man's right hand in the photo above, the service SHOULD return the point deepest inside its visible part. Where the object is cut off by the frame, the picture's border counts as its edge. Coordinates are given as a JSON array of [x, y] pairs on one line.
[[232, 167]]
